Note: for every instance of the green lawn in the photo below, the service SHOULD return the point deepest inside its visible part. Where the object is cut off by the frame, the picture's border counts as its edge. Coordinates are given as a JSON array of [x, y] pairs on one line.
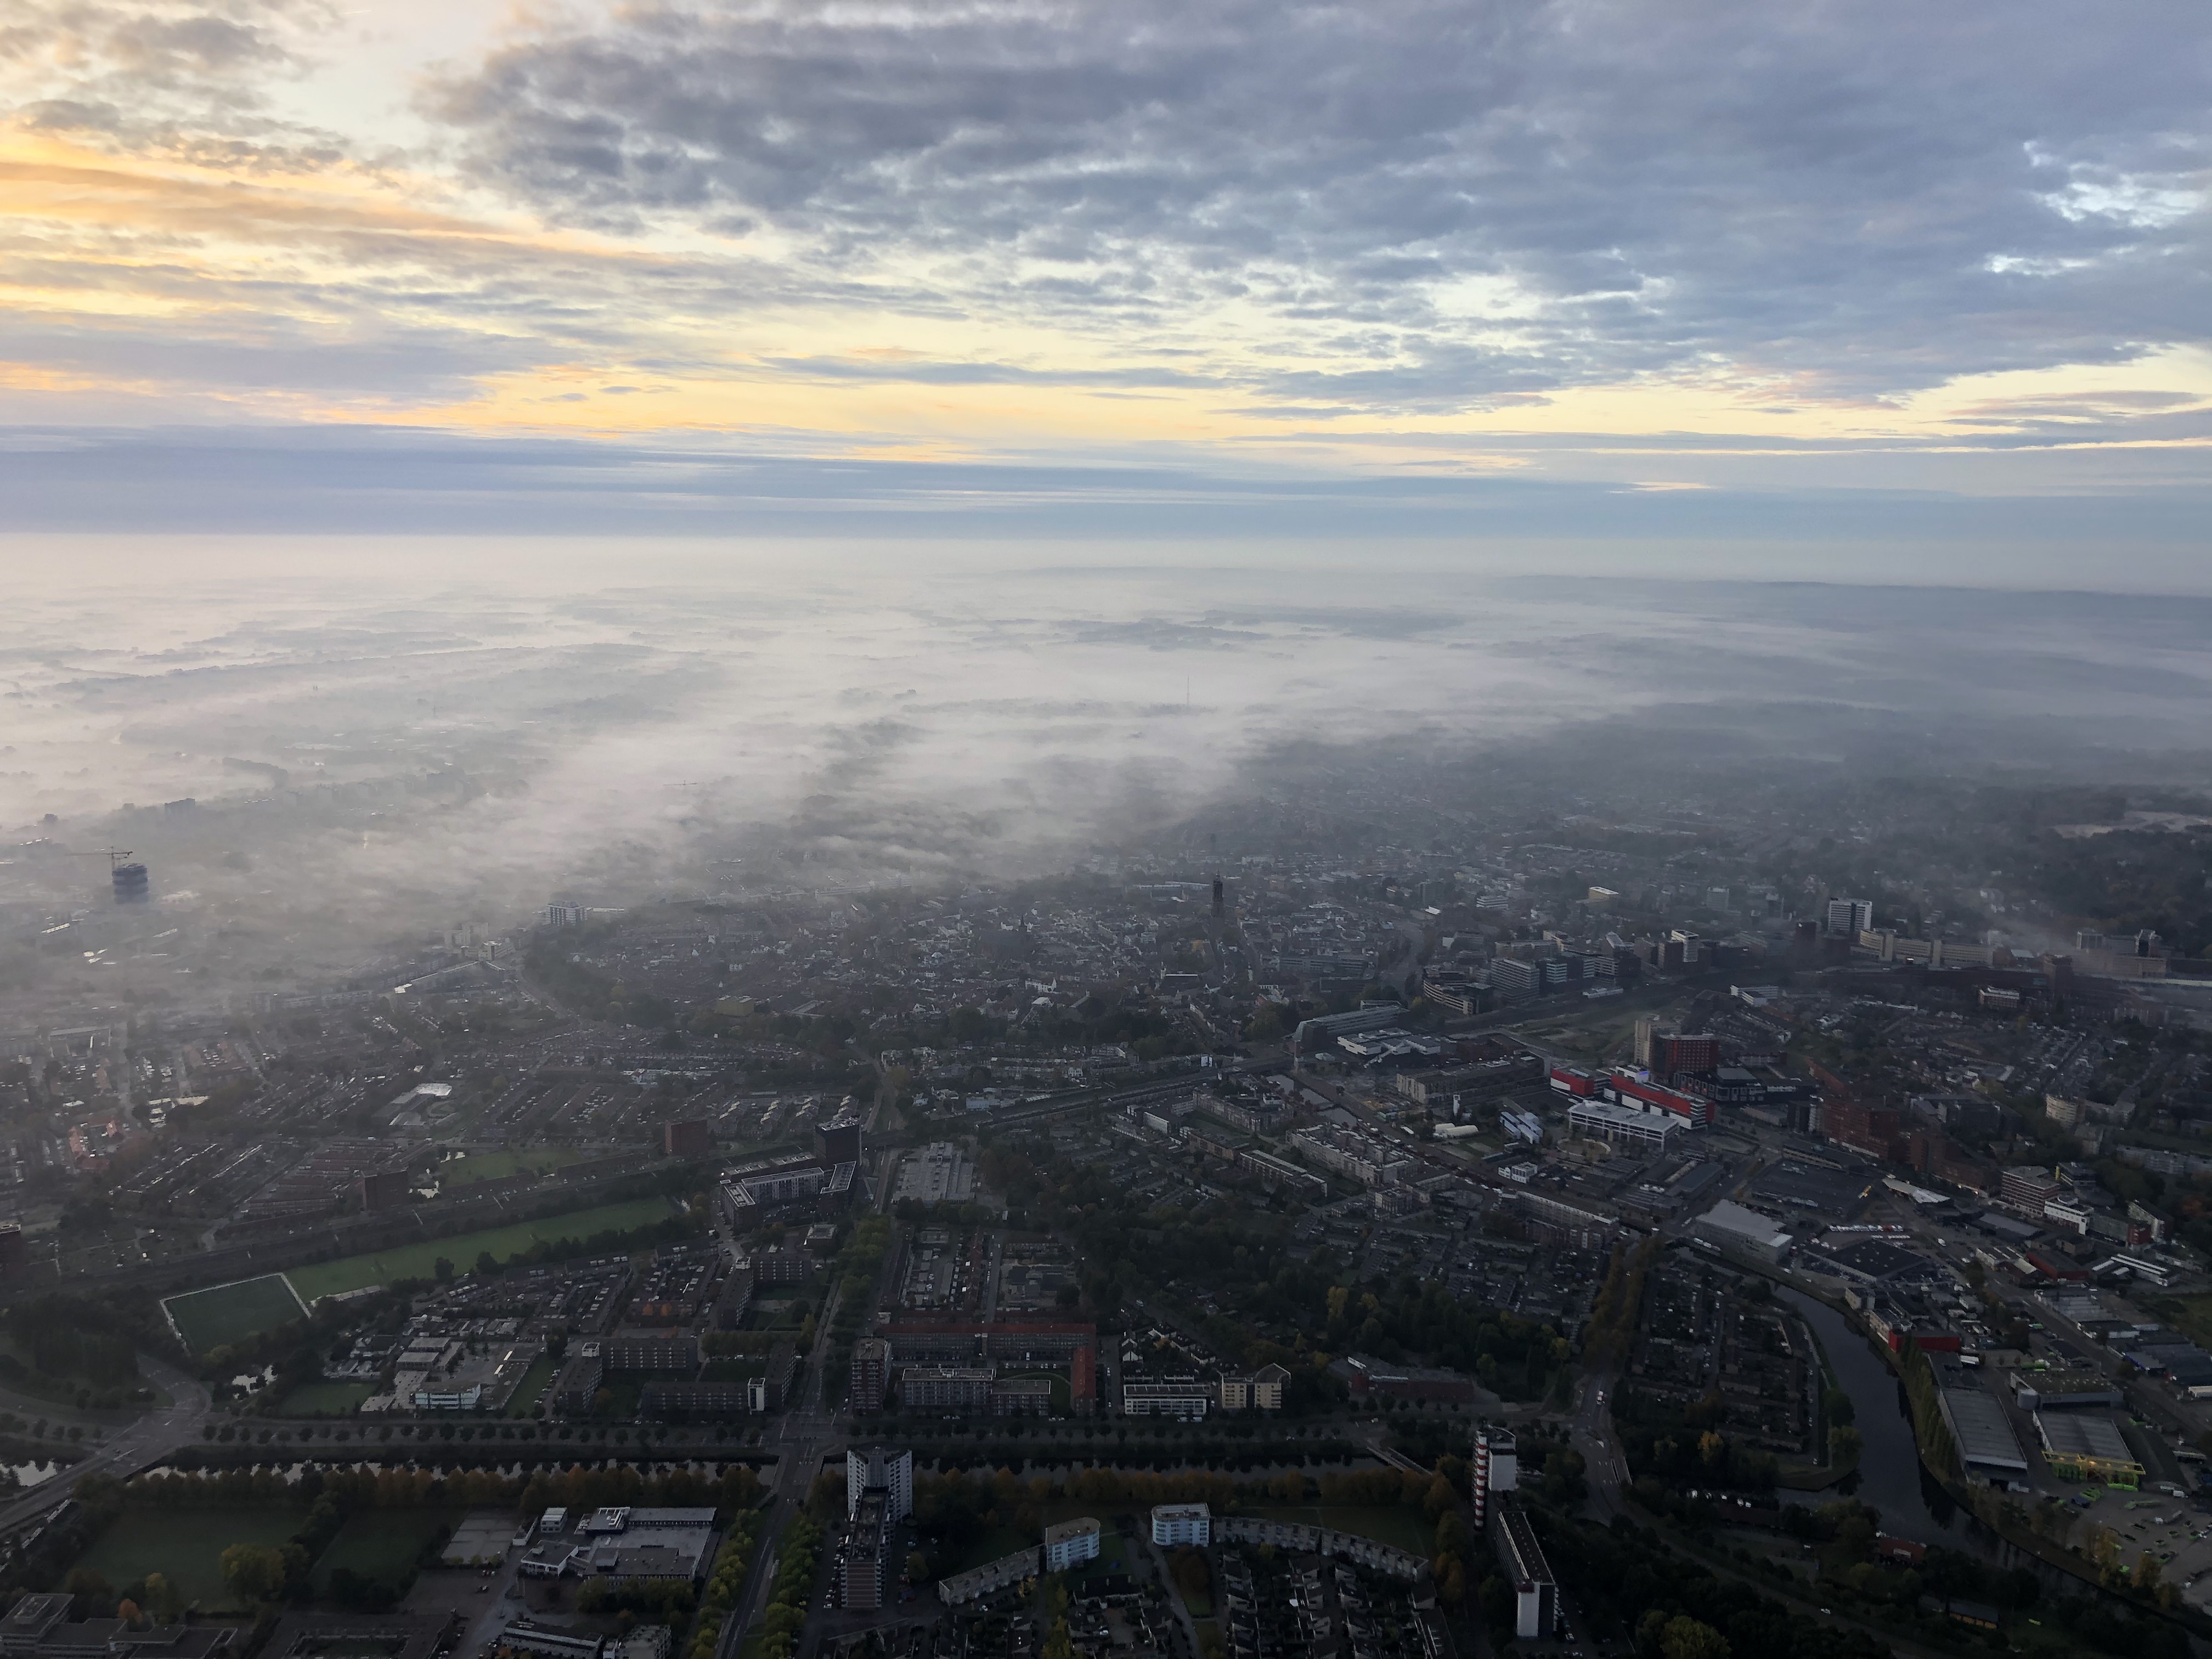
[[2191, 1314], [1384, 1524], [382, 1544], [1063, 1400], [355, 1272], [224, 1313], [186, 1546], [1110, 1558], [473, 1167], [534, 1381], [324, 1399]]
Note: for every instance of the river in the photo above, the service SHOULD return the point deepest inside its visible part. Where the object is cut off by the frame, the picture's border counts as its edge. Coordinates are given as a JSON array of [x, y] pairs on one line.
[[1890, 1477]]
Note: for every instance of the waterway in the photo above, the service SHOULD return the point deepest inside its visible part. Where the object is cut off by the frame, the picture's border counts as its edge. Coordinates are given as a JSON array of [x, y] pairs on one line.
[[1890, 1478]]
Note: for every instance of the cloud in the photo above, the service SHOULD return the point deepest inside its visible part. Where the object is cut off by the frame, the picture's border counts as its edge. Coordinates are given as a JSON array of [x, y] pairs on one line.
[[173, 75], [1417, 202], [357, 479]]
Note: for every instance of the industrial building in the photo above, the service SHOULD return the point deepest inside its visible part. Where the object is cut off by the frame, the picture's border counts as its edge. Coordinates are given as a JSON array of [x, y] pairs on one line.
[[1987, 1445], [1622, 1125], [622, 1543], [2087, 1445], [1734, 1227]]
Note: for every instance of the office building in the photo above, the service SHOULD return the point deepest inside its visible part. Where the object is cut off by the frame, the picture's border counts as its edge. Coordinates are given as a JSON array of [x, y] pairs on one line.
[[1848, 918], [691, 1139], [840, 1140]]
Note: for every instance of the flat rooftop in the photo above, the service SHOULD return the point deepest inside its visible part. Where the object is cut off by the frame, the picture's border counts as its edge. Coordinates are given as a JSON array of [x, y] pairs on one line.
[[2083, 1434], [1836, 1193], [1982, 1431]]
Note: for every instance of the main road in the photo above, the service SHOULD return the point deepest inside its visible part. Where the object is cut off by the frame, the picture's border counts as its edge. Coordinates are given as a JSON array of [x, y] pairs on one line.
[[133, 1447]]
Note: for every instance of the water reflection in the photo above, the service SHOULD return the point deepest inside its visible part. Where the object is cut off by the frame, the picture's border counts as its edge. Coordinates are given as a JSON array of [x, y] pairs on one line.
[[1890, 1477]]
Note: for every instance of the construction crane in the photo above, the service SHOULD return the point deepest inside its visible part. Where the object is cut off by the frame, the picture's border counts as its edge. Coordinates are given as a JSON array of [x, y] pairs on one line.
[[128, 880], [114, 855]]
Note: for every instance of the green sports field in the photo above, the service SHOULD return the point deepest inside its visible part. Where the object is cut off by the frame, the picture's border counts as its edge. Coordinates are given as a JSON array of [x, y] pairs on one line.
[[354, 1272], [224, 1313], [494, 1166]]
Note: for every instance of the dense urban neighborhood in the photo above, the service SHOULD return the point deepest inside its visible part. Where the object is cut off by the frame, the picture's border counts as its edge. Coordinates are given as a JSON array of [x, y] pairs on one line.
[[1546, 1230]]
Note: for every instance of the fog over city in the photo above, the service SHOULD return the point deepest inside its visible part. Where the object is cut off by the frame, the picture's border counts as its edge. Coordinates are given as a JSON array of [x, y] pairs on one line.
[[1007, 829], [368, 747]]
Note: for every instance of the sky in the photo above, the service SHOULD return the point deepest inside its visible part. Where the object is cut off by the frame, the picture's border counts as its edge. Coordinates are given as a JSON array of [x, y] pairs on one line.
[[1883, 286]]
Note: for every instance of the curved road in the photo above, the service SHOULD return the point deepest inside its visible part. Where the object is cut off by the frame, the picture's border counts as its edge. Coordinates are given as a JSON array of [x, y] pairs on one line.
[[128, 1448]]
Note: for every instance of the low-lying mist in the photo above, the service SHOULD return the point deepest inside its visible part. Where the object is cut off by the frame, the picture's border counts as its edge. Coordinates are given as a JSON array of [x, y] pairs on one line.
[[381, 741]]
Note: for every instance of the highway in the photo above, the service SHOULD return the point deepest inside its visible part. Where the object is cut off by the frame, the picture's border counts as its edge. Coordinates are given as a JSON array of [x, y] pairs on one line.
[[128, 1448]]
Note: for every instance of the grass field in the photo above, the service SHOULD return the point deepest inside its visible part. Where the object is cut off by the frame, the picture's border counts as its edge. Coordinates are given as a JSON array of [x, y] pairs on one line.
[[1110, 1558], [1385, 1525], [225, 1314], [324, 1399], [354, 1272], [186, 1546], [1062, 1398], [2192, 1314], [382, 1543], [534, 1381], [473, 1167]]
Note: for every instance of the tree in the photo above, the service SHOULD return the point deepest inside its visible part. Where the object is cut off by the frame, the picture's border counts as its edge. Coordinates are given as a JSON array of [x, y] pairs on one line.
[[1440, 1498], [917, 1567], [1684, 1637], [487, 1265], [1191, 1575], [254, 1573], [441, 1270], [161, 1596]]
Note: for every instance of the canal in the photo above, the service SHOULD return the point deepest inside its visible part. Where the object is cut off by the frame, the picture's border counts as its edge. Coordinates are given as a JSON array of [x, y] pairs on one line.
[[1890, 1478]]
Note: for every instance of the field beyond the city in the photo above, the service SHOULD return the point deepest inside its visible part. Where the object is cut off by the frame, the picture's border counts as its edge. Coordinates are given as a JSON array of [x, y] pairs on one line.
[[225, 1314], [419, 1260]]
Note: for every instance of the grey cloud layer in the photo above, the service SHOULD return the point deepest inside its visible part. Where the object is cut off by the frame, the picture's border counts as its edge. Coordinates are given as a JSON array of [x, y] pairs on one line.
[[188, 76], [1872, 196], [357, 479]]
